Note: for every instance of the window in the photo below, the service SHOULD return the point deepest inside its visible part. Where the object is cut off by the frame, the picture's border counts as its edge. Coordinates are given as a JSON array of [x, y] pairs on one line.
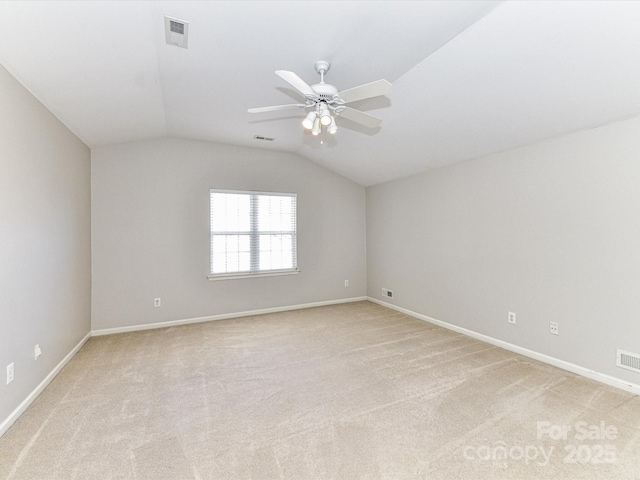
[[252, 233]]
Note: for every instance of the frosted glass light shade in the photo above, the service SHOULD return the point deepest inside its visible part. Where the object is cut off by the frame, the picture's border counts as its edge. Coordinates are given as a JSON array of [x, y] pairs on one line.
[[332, 128], [307, 123]]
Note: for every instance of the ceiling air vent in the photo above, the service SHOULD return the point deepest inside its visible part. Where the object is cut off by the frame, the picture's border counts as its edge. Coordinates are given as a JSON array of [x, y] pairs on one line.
[[266, 139], [176, 32]]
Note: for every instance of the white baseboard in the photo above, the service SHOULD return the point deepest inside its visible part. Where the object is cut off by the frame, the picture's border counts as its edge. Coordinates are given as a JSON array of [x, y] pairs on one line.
[[223, 316], [10, 420], [570, 367]]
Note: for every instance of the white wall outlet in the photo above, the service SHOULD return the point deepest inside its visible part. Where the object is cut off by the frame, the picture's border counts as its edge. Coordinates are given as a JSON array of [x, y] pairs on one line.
[[387, 293], [553, 328], [37, 352], [346, 283], [157, 302], [512, 318], [10, 373]]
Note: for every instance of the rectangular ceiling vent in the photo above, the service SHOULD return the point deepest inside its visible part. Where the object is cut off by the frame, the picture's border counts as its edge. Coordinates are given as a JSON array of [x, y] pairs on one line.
[[176, 32], [628, 360], [266, 139]]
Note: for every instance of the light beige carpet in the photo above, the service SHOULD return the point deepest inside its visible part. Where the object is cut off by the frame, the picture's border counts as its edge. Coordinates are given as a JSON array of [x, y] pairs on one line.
[[341, 392]]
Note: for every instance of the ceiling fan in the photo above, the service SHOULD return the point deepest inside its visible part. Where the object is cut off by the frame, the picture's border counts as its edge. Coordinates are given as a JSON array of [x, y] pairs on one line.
[[324, 99]]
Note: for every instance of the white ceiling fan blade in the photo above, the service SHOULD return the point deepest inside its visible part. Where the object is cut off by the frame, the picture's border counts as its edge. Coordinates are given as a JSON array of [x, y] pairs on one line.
[[359, 117], [368, 90], [296, 82], [275, 107]]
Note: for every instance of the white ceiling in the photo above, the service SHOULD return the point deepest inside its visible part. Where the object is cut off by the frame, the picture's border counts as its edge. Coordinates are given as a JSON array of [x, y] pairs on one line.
[[469, 78]]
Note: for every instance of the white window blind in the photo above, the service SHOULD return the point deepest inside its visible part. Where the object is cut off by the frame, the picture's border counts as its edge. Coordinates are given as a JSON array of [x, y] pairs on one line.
[[252, 232]]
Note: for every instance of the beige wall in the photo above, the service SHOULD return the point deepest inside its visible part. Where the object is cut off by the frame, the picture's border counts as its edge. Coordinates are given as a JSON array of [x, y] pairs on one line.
[[150, 214], [45, 271], [550, 232]]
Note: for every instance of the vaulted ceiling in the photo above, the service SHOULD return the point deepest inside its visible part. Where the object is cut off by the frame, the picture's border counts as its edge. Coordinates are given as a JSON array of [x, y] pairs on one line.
[[469, 77]]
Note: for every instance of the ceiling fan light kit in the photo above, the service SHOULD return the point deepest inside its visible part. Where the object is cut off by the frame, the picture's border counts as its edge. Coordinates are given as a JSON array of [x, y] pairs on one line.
[[325, 116], [316, 127], [325, 99], [332, 128], [307, 123]]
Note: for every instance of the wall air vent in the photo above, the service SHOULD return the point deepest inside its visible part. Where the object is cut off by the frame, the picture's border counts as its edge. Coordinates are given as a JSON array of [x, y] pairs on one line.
[[266, 139], [176, 32], [628, 360]]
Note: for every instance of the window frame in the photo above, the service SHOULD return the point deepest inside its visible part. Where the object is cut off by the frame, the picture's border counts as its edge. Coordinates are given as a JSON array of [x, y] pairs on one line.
[[254, 235]]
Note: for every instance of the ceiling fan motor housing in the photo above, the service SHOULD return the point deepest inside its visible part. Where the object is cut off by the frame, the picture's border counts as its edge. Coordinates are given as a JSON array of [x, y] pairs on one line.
[[325, 91]]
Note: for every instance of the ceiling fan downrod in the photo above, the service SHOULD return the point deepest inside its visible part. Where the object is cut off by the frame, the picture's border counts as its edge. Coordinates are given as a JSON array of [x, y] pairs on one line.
[[322, 67]]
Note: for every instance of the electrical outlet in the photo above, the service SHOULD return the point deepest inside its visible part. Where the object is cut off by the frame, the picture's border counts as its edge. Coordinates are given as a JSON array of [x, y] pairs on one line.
[[10, 372], [387, 293], [37, 352], [346, 283], [512, 318], [157, 302], [553, 328]]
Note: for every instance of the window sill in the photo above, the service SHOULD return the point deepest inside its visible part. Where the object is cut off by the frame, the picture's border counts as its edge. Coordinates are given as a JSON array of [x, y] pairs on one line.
[[272, 273]]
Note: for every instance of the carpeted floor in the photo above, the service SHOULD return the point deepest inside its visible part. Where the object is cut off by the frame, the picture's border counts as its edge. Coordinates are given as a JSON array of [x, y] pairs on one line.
[[341, 392]]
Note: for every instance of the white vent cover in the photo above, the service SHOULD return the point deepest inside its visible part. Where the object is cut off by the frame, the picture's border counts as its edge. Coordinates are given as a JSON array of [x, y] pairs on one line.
[[176, 32], [628, 360]]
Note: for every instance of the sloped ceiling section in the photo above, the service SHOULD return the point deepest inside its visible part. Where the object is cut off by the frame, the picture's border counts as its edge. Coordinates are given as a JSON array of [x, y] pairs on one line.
[[469, 77]]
